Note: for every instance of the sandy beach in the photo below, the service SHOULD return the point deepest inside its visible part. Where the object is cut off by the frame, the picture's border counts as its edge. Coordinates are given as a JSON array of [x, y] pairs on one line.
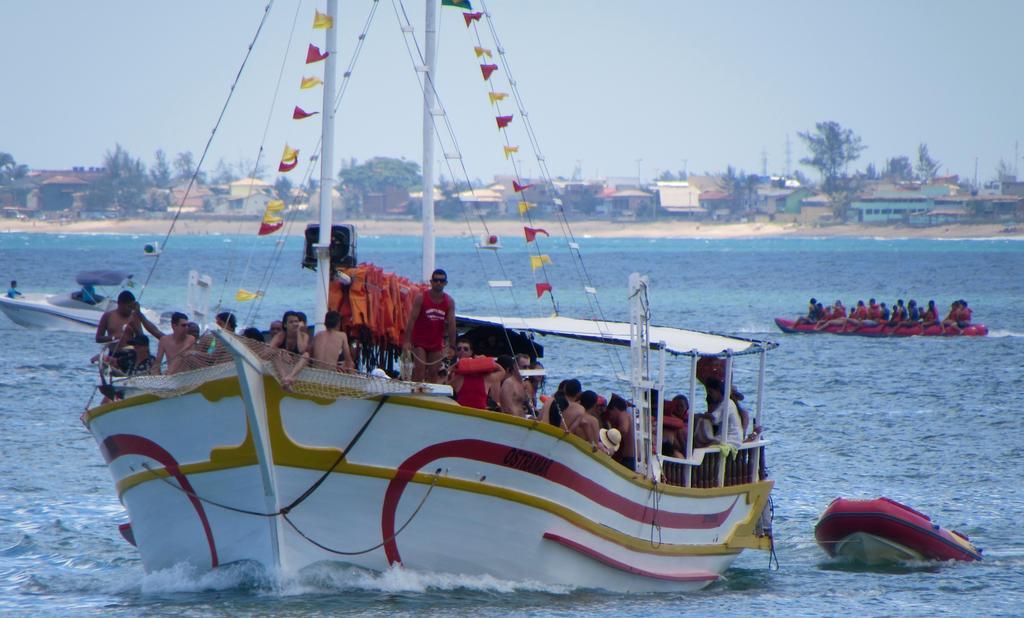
[[511, 228]]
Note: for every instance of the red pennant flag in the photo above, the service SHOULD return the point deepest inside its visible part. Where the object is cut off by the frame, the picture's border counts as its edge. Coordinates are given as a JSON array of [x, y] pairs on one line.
[[487, 69], [531, 233], [300, 113], [270, 228], [315, 55], [503, 121], [287, 167], [471, 17], [518, 188], [543, 287]]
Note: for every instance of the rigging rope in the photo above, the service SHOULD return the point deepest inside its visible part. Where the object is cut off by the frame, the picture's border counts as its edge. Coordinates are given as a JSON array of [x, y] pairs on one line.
[[209, 143]]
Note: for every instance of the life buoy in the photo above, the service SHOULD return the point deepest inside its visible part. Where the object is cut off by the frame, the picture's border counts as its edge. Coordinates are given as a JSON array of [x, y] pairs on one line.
[[476, 365]]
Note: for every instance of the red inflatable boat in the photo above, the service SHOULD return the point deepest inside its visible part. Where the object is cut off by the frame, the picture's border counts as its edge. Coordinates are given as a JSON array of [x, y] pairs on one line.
[[883, 531], [879, 330]]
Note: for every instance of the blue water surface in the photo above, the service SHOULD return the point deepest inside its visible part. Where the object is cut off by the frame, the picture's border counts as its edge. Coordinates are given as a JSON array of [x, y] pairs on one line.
[[934, 423]]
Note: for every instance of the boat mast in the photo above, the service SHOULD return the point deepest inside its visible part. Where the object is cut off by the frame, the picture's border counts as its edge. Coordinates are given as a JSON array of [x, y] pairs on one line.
[[430, 42], [323, 246]]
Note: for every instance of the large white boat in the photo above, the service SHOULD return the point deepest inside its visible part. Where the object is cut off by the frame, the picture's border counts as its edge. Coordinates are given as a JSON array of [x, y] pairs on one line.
[[221, 464], [77, 311]]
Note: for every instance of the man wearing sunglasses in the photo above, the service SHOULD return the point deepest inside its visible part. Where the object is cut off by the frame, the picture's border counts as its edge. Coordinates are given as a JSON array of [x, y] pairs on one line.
[[432, 318]]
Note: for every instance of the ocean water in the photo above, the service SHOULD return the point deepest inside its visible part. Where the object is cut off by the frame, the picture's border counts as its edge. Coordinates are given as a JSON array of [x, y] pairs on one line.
[[934, 423]]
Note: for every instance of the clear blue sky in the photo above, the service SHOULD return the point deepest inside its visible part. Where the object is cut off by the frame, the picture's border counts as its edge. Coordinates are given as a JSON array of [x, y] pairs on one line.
[[606, 82]]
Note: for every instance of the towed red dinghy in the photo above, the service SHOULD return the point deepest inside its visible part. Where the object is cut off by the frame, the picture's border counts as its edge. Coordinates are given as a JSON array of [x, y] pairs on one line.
[[883, 531], [880, 330]]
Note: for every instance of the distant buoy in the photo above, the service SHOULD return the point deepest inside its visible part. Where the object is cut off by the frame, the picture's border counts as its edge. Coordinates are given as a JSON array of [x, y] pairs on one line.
[[151, 249], [489, 241]]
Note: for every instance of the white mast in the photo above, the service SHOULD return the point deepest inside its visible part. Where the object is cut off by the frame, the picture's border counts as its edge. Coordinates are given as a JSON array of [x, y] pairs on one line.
[[430, 41], [323, 254]]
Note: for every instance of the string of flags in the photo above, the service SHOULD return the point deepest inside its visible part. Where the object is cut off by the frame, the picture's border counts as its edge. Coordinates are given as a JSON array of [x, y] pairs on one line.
[[273, 220], [487, 69]]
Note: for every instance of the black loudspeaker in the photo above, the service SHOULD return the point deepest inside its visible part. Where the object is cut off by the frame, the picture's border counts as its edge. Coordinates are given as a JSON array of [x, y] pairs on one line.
[[343, 246]]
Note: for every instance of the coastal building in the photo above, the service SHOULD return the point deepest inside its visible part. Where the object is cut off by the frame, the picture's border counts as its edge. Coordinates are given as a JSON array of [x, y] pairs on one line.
[[680, 198], [628, 205]]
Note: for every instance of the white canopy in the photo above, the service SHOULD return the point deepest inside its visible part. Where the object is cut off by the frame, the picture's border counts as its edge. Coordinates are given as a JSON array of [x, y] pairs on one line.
[[677, 341]]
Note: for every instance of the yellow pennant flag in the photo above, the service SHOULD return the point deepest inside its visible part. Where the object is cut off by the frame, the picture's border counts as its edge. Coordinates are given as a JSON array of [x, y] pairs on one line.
[[509, 150], [536, 261], [290, 154], [275, 205], [245, 295], [497, 96], [310, 82], [524, 206], [322, 21], [480, 51], [270, 219]]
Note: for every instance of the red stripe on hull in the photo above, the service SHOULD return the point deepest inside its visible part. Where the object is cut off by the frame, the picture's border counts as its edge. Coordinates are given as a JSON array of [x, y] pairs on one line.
[[622, 566], [119, 445], [533, 463]]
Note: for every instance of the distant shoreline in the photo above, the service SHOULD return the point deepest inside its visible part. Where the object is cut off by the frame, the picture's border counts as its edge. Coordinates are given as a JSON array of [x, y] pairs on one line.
[[512, 229]]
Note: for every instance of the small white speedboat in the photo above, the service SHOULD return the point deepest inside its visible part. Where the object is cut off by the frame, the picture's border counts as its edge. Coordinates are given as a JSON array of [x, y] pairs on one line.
[[77, 311]]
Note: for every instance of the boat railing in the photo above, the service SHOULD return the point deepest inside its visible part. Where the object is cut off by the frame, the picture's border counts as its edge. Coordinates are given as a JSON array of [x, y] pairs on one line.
[[715, 467]]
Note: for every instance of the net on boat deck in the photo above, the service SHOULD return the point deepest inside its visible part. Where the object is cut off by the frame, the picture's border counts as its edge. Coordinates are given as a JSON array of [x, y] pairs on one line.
[[208, 361]]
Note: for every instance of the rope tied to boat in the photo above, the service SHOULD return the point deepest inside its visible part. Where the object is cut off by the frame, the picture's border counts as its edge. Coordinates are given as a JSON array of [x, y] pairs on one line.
[[285, 510]]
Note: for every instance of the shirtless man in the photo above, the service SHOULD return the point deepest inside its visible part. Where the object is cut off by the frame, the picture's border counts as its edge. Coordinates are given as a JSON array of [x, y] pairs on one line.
[[513, 398], [619, 418], [330, 350], [571, 390], [587, 425], [119, 325], [173, 346], [431, 318]]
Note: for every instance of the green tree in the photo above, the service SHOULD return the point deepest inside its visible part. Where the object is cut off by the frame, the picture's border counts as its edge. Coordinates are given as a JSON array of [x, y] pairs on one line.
[[283, 188], [898, 169], [123, 185], [377, 175], [160, 173], [1004, 172], [380, 173], [223, 173], [184, 166], [832, 148], [10, 170], [927, 167]]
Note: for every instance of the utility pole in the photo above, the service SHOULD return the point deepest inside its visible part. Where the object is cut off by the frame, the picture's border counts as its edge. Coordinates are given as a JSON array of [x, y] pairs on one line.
[[638, 162]]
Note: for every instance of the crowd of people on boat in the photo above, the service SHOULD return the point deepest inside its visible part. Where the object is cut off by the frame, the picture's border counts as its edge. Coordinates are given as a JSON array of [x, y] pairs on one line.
[[899, 315], [507, 383]]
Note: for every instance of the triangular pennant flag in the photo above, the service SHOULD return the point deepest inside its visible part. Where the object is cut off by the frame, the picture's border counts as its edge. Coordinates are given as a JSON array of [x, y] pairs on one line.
[[300, 113], [322, 21], [510, 149], [518, 188], [480, 51], [543, 287], [536, 261], [290, 154], [524, 206], [496, 96], [471, 17], [313, 54], [487, 69], [531, 233], [310, 82], [245, 295], [286, 166], [459, 4], [270, 227], [275, 205], [503, 121]]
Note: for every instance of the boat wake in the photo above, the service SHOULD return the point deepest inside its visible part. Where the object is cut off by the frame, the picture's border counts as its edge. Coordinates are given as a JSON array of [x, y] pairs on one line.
[[1004, 333], [327, 578]]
